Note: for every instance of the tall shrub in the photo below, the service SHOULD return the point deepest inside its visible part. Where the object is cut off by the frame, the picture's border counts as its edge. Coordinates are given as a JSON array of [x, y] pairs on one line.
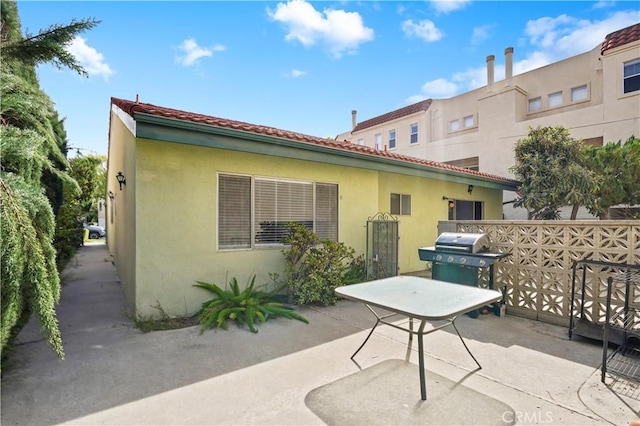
[[316, 268]]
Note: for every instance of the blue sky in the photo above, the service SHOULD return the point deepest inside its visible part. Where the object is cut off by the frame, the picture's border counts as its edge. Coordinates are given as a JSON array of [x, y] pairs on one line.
[[300, 65]]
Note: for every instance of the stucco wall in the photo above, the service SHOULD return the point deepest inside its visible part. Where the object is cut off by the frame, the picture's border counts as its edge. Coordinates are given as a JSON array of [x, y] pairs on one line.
[[176, 218], [121, 224], [427, 208], [176, 214]]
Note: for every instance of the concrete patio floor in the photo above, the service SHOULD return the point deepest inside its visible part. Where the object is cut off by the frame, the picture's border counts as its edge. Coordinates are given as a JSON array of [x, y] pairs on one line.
[[294, 373]]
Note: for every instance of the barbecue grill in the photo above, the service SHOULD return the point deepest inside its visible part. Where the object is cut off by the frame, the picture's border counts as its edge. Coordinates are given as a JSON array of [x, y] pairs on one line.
[[458, 257]]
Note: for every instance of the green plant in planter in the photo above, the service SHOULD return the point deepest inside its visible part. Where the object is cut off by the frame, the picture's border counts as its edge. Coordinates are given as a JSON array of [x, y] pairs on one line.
[[249, 306]]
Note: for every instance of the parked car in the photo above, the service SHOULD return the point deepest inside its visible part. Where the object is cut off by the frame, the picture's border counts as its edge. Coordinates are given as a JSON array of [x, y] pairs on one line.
[[95, 231]]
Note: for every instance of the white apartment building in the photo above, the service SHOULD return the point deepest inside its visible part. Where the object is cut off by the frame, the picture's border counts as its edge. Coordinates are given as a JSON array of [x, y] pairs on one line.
[[596, 95]]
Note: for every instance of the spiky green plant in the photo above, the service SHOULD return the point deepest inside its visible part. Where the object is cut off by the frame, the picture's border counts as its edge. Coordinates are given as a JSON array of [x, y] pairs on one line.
[[249, 306]]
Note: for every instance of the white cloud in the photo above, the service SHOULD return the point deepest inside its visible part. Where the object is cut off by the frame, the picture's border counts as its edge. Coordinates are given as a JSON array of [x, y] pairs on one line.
[[552, 40], [339, 31], [294, 73], [439, 88], [480, 34], [447, 6], [603, 4], [425, 30], [415, 99], [89, 58], [191, 52]]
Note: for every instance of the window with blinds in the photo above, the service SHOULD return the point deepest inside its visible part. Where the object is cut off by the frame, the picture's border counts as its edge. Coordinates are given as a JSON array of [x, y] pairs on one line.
[[278, 203], [234, 211], [272, 204], [326, 223]]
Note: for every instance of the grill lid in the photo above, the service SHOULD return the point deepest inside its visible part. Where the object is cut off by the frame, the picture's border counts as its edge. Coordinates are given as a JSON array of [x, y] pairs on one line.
[[465, 242]]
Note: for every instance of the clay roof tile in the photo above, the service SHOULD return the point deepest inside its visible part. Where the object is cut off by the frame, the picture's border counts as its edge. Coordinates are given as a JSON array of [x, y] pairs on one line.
[[132, 108]]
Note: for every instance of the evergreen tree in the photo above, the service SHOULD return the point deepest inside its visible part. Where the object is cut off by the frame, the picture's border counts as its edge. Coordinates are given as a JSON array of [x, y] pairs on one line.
[[618, 167], [34, 164], [551, 166]]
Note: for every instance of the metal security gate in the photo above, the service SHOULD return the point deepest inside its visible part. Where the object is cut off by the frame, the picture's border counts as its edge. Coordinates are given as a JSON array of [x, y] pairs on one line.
[[382, 246]]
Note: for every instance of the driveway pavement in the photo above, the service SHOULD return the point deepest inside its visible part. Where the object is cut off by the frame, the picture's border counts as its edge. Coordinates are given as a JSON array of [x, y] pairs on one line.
[[294, 373]]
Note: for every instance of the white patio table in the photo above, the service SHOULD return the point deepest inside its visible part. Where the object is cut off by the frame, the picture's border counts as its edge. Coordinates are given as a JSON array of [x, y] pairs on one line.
[[423, 299]]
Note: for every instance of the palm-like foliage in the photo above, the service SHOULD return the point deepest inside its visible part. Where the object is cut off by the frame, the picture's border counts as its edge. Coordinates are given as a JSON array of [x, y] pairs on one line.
[[249, 306]]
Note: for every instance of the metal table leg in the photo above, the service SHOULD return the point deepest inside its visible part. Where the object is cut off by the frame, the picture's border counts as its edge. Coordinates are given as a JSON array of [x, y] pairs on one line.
[[453, 323], [423, 384], [420, 333]]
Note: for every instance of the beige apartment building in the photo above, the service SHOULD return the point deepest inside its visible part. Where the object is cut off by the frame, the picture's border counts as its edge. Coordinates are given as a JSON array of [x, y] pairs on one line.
[[596, 95]]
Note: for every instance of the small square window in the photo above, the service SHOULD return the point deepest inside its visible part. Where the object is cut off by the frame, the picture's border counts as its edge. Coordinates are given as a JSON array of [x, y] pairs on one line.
[[555, 99], [413, 138], [392, 139], [579, 93], [454, 125], [400, 204], [468, 121], [361, 141], [535, 104]]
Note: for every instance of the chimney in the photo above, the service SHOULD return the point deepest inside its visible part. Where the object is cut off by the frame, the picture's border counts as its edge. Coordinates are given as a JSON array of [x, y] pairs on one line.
[[490, 62], [354, 119], [508, 65]]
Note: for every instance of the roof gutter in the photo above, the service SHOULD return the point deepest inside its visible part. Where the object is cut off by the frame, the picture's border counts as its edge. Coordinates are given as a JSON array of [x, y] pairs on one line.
[[156, 127]]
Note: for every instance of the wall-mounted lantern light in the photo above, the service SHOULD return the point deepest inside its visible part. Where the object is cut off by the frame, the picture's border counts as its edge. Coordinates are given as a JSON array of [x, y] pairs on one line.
[[470, 189], [449, 201], [111, 195], [121, 179]]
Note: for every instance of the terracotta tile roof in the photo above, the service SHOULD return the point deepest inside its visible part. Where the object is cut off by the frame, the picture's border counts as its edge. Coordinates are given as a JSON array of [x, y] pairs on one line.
[[133, 107], [621, 37], [393, 115]]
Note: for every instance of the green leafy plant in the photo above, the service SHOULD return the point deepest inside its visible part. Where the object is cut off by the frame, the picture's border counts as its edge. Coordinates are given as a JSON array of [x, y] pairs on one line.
[[357, 271], [249, 306], [315, 268]]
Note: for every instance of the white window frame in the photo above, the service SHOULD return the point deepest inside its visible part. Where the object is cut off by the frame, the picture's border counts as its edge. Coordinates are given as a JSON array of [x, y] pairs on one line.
[[316, 206], [414, 136], [392, 139], [535, 104], [468, 121], [579, 93], [360, 141], [400, 204], [631, 72], [554, 99], [377, 141]]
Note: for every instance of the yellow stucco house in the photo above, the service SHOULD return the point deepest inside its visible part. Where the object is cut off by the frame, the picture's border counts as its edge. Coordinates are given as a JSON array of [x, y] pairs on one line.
[[190, 197]]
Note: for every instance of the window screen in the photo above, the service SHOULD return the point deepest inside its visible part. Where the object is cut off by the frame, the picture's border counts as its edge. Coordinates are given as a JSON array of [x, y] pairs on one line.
[[413, 136], [400, 204], [632, 76], [234, 211], [392, 139], [579, 93], [278, 203], [327, 211], [555, 99], [535, 104]]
